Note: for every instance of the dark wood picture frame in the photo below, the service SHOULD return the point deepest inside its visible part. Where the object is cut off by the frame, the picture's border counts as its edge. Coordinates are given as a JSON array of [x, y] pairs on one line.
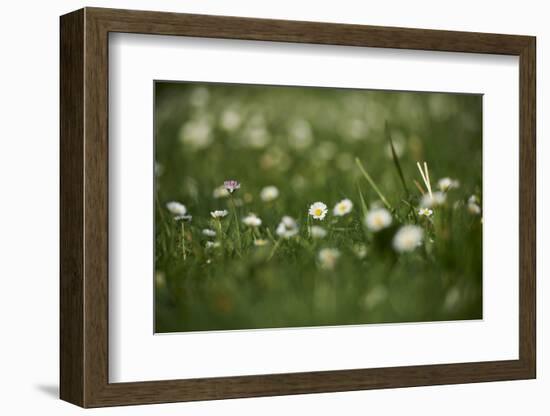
[[84, 207]]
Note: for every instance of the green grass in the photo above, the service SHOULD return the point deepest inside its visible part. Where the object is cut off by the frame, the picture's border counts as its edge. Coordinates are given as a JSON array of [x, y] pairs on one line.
[[361, 145]]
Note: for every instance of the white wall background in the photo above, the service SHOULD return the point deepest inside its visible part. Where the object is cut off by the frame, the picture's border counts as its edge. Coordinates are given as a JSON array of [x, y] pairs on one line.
[[29, 207]]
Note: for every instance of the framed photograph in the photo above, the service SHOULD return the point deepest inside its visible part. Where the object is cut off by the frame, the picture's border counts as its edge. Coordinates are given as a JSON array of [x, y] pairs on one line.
[[260, 207]]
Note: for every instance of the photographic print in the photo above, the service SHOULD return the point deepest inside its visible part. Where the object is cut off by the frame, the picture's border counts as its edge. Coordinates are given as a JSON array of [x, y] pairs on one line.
[[286, 206]]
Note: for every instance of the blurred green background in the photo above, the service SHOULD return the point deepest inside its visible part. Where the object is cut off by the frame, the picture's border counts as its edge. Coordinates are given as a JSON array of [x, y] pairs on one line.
[[304, 141]]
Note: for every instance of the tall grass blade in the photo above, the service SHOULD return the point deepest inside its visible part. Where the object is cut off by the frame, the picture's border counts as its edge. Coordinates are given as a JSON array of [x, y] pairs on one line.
[[396, 160]]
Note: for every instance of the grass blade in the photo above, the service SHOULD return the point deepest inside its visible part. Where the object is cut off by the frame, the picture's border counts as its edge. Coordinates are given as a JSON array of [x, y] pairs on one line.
[[419, 187], [371, 182], [364, 206]]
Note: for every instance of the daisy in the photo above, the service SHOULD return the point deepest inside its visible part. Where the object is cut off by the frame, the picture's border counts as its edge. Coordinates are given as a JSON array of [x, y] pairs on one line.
[[289, 222], [212, 244], [230, 120], [269, 193], [360, 250], [426, 212], [474, 209], [318, 210], [176, 208], [199, 97], [407, 238], [452, 298], [208, 232], [446, 184], [260, 242], [343, 207], [300, 134], [355, 129], [317, 232], [398, 146], [473, 206], [433, 200], [185, 217], [159, 169], [375, 296], [160, 279], [298, 182], [220, 192], [328, 257], [377, 219], [287, 227], [252, 220], [196, 134], [218, 213], [326, 151], [256, 137]]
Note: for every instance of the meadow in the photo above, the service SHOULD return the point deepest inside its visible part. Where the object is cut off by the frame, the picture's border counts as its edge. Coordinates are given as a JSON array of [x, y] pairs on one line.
[[299, 207]]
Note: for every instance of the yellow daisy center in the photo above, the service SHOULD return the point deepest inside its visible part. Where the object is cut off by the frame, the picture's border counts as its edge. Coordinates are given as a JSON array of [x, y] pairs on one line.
[[318, 212]]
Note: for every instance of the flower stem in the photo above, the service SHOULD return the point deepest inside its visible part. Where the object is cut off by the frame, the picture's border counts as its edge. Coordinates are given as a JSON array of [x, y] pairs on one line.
[[183, 239], [234, 207], [275, 247], [220, 232]]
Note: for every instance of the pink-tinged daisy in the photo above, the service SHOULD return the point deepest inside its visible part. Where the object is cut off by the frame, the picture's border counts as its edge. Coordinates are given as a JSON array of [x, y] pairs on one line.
[[231, 185]]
